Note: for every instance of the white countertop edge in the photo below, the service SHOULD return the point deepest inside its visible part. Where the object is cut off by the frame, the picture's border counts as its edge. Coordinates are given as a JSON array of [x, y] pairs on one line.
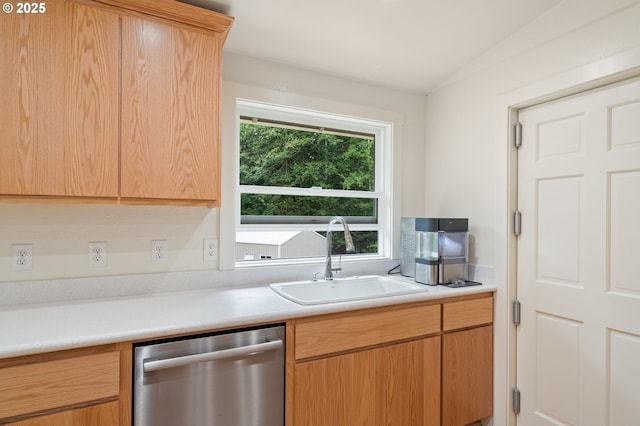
[[28, 330]]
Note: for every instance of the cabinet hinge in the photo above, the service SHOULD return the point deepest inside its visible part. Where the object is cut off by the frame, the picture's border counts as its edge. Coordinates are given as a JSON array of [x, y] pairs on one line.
[[515, 400], [517, 223], [517, 136], [516, 312]]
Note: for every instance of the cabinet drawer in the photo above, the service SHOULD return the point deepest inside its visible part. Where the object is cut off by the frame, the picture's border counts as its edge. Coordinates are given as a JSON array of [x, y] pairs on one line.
[[61, 383], [467, 313], [351, 331], [95, 415]]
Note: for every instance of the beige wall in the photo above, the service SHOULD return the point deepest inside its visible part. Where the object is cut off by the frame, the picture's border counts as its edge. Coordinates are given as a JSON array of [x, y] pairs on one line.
[[579, 44], [60, 235], [466, 135]]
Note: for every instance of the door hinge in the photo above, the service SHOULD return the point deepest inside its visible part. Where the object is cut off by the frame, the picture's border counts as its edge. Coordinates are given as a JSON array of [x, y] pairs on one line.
[[515, 400], [517, 136], [517, 223], [516, 312]]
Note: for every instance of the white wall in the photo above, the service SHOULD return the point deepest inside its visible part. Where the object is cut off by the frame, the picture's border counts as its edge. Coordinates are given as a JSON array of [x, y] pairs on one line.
[[468, 153], [60, 232]]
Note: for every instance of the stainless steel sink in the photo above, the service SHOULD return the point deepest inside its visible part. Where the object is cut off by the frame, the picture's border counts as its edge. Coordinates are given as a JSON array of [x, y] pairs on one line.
[[344, 289]]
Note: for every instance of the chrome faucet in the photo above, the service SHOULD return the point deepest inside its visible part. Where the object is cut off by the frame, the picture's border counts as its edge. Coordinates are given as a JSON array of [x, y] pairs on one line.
[[328, 269]]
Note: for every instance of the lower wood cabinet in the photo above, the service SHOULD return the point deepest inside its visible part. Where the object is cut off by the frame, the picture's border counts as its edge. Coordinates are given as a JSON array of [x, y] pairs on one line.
[[96, 415], [467, 361], [467, 376], [373, 366], [394, 384], [83, 387], [426, 364]]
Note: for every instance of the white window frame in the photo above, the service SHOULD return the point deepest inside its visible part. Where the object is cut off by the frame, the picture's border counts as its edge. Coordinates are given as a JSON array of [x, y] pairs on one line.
[[383, 132]]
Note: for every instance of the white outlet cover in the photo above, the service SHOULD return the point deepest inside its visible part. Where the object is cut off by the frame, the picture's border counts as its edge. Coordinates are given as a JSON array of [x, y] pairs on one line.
[[98, 254], [22, 257], [159, 251], [210, 250]]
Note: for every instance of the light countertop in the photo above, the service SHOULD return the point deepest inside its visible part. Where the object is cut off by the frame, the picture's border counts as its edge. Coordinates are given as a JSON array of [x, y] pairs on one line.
[[45, 327]]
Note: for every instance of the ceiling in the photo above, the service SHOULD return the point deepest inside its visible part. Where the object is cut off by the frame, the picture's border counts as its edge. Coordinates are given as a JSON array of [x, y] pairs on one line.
[[412, 45]]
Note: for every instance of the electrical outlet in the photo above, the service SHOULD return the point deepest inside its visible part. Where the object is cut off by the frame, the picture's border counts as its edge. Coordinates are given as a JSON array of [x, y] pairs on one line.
[[98, 254], [159, 251], [22, 257], [211, 250]]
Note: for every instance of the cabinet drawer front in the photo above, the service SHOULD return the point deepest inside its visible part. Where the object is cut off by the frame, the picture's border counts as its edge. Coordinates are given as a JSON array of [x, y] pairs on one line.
[[364, 329], [467, 313], [96, 415], [45, 385]]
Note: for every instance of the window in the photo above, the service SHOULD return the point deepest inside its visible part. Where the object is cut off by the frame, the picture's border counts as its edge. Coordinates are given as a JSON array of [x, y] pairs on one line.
[[297, 169]]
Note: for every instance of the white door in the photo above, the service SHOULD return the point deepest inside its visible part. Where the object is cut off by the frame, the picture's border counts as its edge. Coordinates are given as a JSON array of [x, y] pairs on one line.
[[578, 350]]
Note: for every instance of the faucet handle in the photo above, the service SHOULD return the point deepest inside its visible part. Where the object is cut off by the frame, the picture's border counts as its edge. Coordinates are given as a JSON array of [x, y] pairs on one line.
[[315, 276]]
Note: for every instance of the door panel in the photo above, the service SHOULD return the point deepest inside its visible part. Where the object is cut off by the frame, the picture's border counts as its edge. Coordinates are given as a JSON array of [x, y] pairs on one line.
[[559, 215], [578, 191], [558, 375], [625, 126], [170, 137], [624, 371], [59, 102], [624, 232], [395, 384], [467, 376]]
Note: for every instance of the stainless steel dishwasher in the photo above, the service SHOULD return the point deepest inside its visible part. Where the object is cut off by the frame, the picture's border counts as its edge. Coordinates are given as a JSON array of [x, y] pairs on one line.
[[229, 379]]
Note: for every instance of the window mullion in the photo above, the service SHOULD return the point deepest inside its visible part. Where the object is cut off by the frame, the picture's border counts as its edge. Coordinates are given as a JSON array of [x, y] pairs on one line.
[[313, 191]]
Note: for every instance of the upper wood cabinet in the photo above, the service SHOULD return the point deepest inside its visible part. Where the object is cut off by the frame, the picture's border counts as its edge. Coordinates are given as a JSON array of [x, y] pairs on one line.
[[59, 111], [170, 103], [112, 99]]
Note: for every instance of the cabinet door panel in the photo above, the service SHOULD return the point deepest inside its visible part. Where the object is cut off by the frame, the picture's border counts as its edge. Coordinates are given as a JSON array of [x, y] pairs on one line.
[[467, 376], [59, 109], [170, 104], [97, 415], [380, 386]]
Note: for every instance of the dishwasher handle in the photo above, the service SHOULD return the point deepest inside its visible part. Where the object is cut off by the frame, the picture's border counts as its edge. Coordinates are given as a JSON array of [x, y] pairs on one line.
[[162, 364]]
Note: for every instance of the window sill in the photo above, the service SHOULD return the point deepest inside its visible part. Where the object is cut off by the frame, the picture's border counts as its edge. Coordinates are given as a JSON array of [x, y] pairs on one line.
[[350, 260]]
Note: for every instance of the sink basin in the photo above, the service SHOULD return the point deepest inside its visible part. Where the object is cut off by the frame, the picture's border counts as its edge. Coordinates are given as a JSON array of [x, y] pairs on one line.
[[344, 289]]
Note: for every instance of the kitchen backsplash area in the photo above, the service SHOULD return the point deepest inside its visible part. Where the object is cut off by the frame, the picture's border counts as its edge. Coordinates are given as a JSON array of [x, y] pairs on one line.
[[60, 235], [83, 288], [57, 290]]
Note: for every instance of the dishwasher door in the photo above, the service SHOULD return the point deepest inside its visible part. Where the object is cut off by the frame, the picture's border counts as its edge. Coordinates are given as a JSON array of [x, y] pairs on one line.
[[230, 379]]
